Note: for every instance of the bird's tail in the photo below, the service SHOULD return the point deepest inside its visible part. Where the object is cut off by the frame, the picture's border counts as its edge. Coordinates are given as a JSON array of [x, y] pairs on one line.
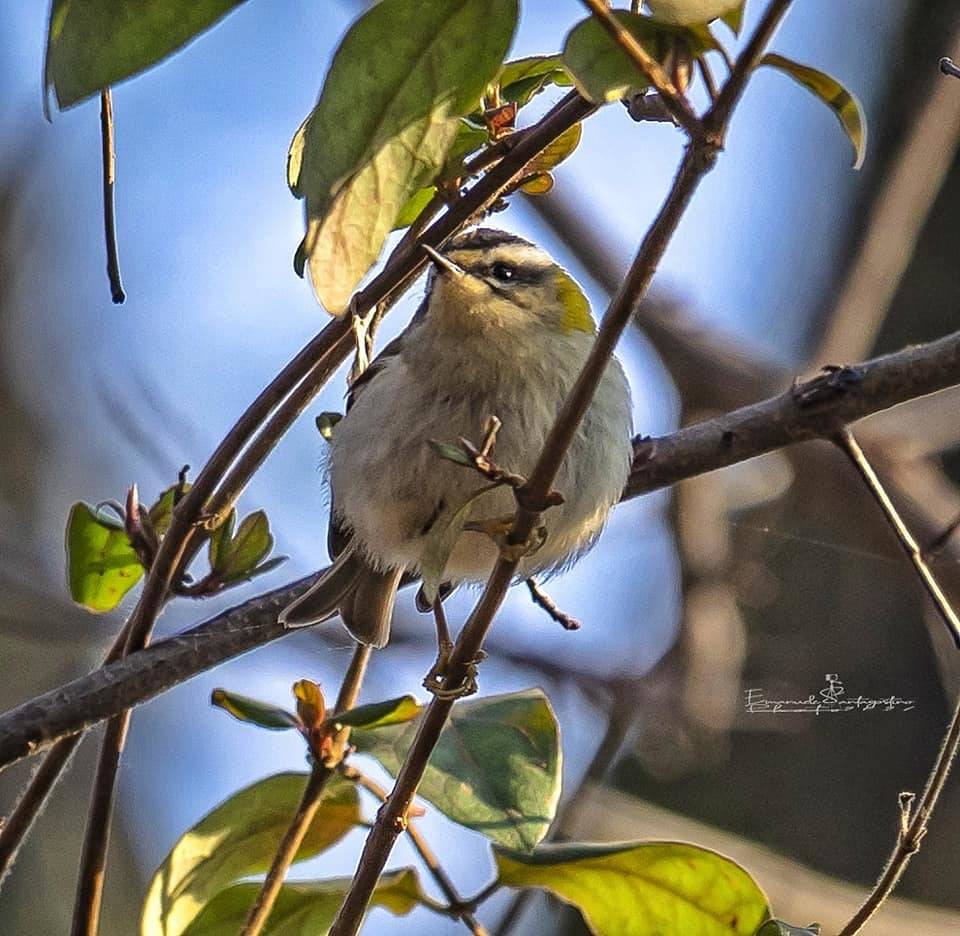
[[363, 596]]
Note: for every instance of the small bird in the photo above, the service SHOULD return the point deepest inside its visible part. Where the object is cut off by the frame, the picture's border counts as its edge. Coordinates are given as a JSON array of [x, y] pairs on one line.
[[502, 331]]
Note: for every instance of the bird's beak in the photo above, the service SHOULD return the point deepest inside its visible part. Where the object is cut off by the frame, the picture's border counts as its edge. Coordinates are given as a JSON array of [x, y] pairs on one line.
[[444, 263]]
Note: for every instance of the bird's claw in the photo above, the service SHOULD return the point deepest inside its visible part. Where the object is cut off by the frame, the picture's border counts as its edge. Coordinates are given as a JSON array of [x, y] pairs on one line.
[[435, 682]]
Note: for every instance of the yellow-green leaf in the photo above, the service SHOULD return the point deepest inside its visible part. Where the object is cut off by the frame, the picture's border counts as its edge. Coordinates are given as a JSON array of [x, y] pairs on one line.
[[101, 564], [733, 19], [694, 12], [554, 154], [245, 709], [523, 78], [380, 714], [604, 72], [220, 539], [636, 889], [539, 184], [302, 909], [238, 558], [496, 768], [389, 111], [161, 512], [92, 44], [844, 105], [239, 838]]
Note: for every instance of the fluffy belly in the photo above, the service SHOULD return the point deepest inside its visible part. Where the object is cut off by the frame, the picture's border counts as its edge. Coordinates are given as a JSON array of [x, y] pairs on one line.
[[394, 493]]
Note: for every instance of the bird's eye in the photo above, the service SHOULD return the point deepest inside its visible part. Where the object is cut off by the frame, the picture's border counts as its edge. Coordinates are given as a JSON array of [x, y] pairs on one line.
[[502, 271]]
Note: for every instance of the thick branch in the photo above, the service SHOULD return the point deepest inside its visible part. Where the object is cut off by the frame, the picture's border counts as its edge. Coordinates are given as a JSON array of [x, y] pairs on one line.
[[863, 389], [809, 410]]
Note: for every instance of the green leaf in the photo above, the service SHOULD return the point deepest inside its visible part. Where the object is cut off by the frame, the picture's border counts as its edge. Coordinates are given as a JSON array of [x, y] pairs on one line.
[[694, 12], [92, 44], [635, 889], [218, 548], [239, 557], [523, 78], [302, 908], [326, 422], [415, 204], [245, 709], [101, 564], [451, 452], [496, 768], [733, 20], [161, 512], [440, 543], [380, 714], [388, 113], [779, 928], [843, 104], [238, 838], [604, 72]]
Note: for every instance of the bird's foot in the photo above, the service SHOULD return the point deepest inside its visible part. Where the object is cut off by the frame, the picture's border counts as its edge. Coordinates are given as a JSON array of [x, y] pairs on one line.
[[499, 530], [436, 681]]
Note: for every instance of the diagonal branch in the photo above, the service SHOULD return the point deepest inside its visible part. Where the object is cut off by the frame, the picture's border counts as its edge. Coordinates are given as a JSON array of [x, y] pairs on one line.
[[913, 821]]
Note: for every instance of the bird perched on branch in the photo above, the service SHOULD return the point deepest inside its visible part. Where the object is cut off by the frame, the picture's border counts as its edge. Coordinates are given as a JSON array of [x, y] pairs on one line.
[[503, 332]]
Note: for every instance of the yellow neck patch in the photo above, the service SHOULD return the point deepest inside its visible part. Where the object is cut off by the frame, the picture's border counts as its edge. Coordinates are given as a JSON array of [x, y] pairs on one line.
[[576, 307]]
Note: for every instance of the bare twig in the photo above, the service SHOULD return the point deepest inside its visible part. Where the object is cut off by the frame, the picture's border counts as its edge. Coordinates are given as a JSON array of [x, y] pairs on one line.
[[913, 824], [849, 445], [834, 399], [109, 208], [287, 851], [948, 67], [542, 600], [649, 67], [322, 770]]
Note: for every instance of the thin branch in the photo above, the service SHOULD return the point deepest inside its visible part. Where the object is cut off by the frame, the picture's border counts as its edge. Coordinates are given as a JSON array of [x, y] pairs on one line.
[[810, 410], [914, 822], [948, 67], [314, 363], [913, 828], [109, 208], [287, 851], [320, 774], [849, 445], [542, 600], [649, 67], [427, 856]]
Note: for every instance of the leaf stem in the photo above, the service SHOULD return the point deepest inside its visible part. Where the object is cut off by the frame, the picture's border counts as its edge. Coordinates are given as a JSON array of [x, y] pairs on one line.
[[320, 775], [109, 208]]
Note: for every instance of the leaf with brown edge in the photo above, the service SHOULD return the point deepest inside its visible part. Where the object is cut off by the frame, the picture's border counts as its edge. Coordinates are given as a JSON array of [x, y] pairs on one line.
[[845, 106]]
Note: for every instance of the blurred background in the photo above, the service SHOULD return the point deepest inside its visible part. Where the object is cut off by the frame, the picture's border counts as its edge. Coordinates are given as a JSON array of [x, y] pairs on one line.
[[769, 575]]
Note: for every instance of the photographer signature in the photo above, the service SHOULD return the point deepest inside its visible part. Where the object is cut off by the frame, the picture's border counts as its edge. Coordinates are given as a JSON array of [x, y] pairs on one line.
[[832, 698]]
